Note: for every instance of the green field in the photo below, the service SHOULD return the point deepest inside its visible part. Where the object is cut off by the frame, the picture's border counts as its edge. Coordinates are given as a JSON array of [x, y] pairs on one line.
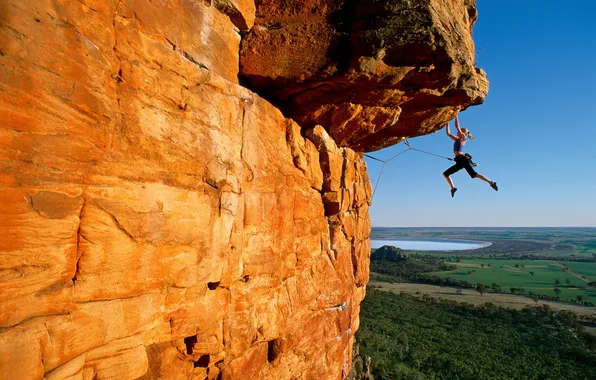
[[585, 269], [583, 248], [506, 274]]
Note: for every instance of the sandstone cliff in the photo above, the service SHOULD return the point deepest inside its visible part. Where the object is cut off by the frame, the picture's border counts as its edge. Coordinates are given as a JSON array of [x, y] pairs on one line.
[[159, 220]]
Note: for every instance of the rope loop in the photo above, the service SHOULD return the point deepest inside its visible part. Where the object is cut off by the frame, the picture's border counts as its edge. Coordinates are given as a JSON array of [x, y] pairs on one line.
[[407, 143]]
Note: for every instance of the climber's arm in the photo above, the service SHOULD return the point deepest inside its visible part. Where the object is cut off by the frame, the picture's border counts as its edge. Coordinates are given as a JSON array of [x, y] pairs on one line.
[[453, 137], [457, 126]]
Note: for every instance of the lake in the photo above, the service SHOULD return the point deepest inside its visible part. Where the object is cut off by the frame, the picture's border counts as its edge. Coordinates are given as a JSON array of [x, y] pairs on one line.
[[429, 245]]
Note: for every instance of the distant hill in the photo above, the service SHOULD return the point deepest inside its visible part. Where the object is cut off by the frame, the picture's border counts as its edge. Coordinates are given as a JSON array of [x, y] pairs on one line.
[[389, 253]]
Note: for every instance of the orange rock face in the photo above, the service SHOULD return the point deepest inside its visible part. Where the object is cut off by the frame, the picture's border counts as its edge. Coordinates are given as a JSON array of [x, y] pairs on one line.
[[372, 72], [157, 220]]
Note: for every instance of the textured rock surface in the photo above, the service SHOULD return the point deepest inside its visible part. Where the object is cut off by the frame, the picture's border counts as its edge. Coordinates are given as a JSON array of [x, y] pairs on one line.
[[370, 71], [361, 366], [157, 220], [160, 221]]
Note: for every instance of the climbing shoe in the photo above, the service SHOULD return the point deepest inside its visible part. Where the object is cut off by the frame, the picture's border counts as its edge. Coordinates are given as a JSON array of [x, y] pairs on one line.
[[453, 191], [494, 186]]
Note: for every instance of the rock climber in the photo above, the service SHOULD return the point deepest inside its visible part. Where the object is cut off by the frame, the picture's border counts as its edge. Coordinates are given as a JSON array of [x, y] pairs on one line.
[[462, 160]]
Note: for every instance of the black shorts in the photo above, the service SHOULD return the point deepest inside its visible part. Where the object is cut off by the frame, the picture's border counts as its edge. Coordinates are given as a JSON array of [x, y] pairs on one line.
[[461, 162]]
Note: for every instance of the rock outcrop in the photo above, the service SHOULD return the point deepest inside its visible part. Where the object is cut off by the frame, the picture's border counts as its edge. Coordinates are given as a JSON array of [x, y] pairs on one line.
[[372, 72], [361, 366], [158, 220]]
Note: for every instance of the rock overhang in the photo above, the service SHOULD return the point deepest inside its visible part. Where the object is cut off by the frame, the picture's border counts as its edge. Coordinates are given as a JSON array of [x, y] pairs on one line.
[[371, 72]]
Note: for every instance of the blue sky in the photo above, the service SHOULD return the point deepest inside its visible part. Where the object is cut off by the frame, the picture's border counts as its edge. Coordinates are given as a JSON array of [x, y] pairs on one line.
[[535, 135]]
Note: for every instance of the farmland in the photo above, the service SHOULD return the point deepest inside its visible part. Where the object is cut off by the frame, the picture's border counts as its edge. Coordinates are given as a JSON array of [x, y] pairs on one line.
[[557, 264], [536, 276], [473, 297]]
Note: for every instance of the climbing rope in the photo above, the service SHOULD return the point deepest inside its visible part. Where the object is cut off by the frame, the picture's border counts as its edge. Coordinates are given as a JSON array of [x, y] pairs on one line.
[[424, 151], [382, 168], [407, 143]]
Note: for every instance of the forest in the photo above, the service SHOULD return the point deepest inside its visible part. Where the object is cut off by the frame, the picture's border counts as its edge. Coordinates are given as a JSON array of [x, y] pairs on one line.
[[410, 337]]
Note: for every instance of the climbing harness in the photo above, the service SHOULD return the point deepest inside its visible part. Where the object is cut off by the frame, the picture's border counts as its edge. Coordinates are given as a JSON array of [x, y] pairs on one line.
[[469, 158]]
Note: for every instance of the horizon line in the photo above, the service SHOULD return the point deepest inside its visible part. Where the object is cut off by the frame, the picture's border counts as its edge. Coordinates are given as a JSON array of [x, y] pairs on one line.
[[483, 226]]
